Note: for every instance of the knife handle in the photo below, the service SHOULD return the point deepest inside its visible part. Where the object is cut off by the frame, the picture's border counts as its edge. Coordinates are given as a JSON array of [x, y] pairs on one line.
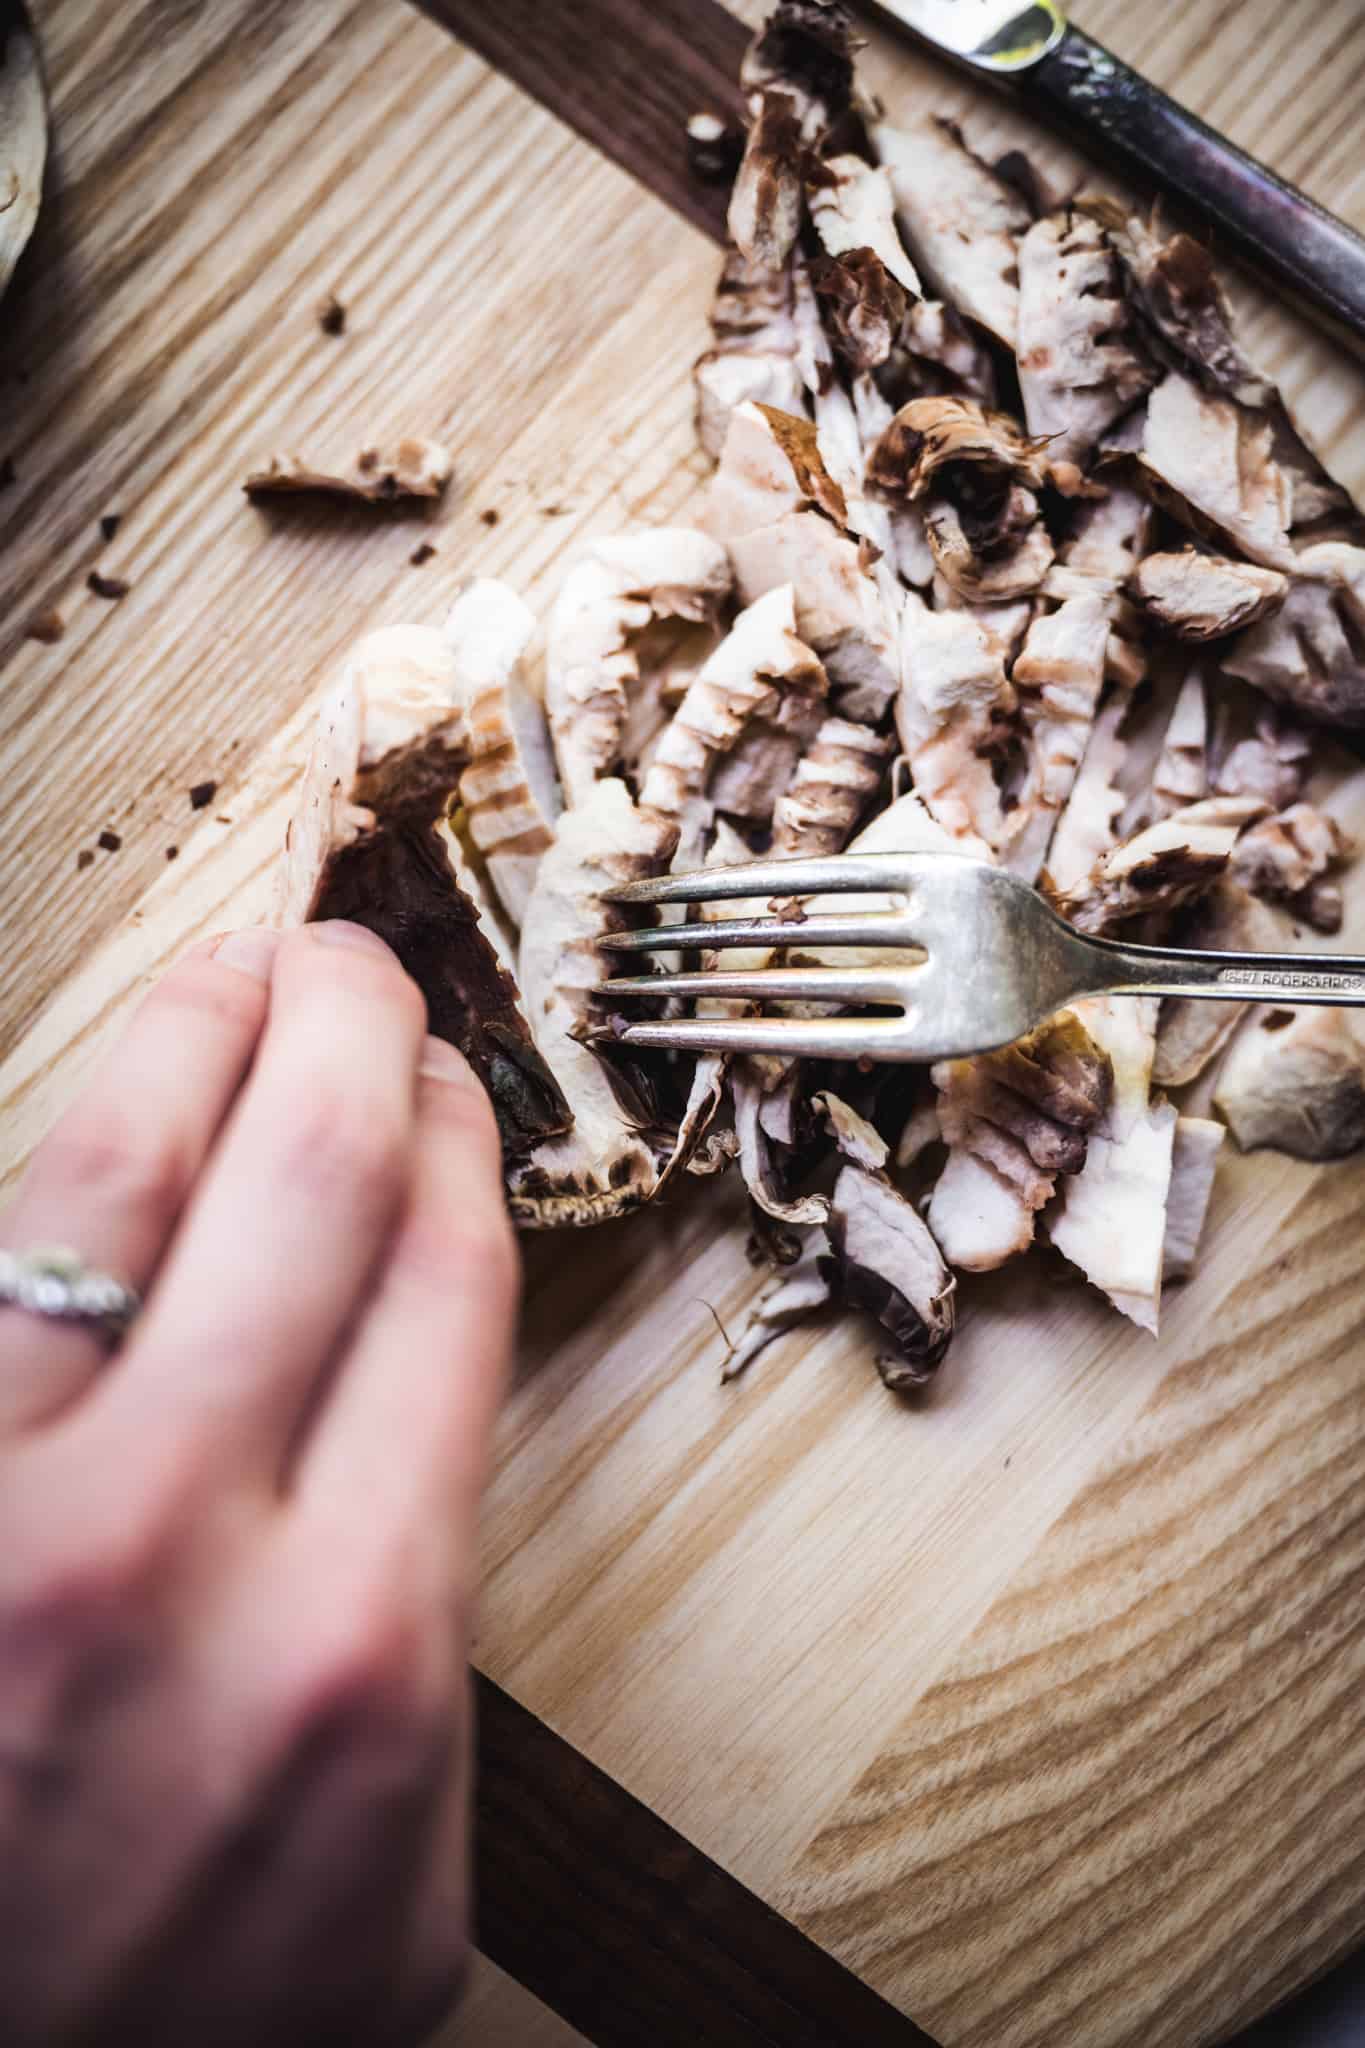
[[1274, 228]]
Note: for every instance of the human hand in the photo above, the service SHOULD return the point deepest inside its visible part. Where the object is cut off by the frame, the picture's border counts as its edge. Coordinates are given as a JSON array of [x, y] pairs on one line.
[[237, 1557]]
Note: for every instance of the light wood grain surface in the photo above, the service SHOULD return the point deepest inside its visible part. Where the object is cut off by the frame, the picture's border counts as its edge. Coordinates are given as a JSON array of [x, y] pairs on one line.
[[496, 2012], [1035, 1704]]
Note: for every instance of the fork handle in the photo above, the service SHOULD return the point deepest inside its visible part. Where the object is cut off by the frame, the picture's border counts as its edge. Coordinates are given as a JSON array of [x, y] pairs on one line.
[[1228, 977]]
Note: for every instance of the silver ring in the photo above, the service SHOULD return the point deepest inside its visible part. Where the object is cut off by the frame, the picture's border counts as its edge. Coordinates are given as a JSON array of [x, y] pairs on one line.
[[56, 1282]]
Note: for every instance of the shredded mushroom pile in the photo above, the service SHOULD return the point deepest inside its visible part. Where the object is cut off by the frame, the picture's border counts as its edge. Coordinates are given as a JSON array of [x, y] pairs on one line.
[[1008, 550]]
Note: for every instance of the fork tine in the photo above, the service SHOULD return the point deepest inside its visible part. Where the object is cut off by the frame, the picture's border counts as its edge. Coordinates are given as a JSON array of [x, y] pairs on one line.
[[829, 1038], [871, 929], [842, 874], [774, 985]]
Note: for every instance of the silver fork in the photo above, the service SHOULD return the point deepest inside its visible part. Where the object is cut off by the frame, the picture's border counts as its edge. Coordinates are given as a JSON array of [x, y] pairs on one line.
[[995, 960]]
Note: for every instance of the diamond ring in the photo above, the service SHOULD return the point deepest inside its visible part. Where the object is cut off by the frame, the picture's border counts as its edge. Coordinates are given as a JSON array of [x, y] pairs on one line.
[[56, 1282]]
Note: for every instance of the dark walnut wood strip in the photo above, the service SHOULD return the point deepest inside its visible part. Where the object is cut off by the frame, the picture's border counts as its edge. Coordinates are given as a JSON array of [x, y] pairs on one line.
[[626, 1929], [625, 76]]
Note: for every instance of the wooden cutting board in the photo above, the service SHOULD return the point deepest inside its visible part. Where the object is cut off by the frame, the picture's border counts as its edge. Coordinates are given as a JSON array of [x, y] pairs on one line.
[[1038, 1704]]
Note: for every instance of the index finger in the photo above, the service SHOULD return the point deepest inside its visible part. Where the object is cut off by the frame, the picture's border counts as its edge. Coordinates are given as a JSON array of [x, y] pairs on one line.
[[407, 1426]]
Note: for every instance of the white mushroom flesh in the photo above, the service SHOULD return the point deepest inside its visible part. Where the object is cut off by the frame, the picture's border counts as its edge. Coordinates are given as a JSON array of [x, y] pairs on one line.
[[508, 786], [1216, 458], [1298, 1086], [954, 698], [1079, 370], [591, 664], [1111, 1216], [1207, 597], [1194, 1161], [962, 223], [602, 1167]]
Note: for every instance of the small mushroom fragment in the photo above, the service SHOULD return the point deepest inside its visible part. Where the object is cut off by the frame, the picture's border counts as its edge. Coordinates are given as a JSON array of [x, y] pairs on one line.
[[1273, 763], [761, 674], [708, 1087], [1211, 462], [1058, 675], [797, 75], [1111, 1216], [852, 207], [947, 354], [1194, 1161], [783, 519], [604, 1165], [411, 468], [753, 355], [1288, 858], [764, 1154], [1191, 1034], [890, 538], [714, 148], [865, 279], [507, 787], [961, 219], [800, 1292], [23, 136], [855, 1137], [1181, 775], [888, 1263], [365, 843], [1014, 1120], [863, 305], [1004, 625], [592, 661], [920, 1130], [1079, 369], [835, 780], [748, 782], [1299, 1089], [771, 466], [977, 476], [1174, 287], [953, 702], [764, 217], [1109, 539], [1086, 827], [1206, 597], [1161, 867], [1311, 653]]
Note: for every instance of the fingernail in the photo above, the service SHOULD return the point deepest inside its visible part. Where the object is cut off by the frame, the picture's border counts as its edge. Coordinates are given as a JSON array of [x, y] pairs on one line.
[[339, 931], [250, 952], [442, 1061]]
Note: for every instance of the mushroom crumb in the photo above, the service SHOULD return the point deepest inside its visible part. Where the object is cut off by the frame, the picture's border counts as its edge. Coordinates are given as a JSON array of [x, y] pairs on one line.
[[202, 795], [109, 842], [490, 516], [85, 858], [714, 148], [412, 468], [47, 626], [172, 853], [110, 587], [332, 315], [421, 555], [110, 522]]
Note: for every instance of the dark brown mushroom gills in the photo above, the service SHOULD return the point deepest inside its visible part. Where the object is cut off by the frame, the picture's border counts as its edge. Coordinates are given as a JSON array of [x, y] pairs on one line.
[[397, 881]]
